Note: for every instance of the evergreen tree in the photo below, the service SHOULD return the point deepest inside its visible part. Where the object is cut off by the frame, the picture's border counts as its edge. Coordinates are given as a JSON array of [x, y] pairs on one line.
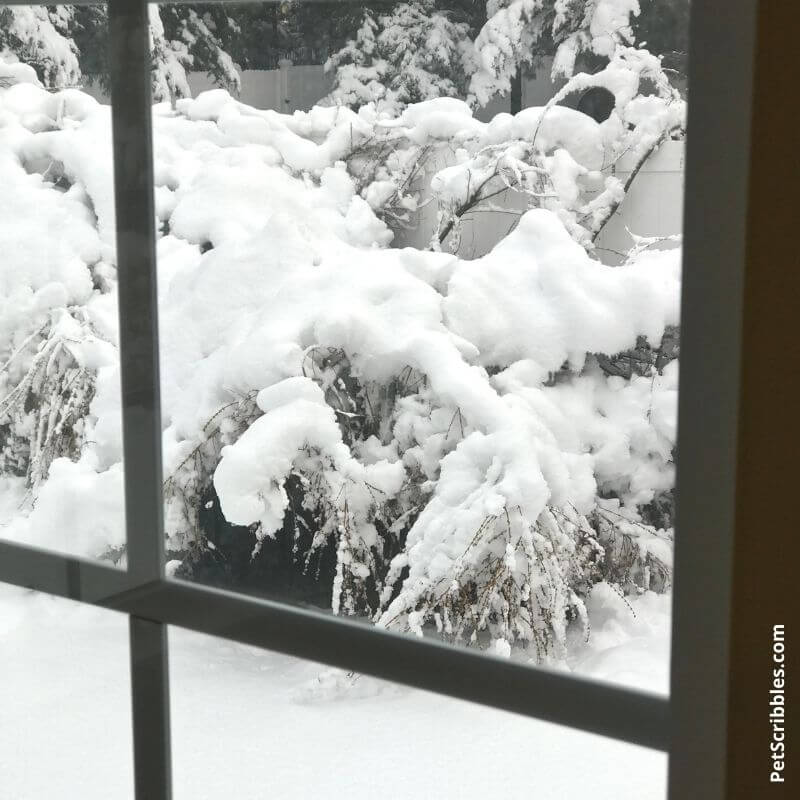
[[663, 27], [41, 37], [206, 36], [413, 53], [65, 43], [518, 32]]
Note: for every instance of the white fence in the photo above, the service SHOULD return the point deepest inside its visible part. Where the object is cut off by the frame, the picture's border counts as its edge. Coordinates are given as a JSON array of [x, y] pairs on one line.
[[296, 88], [652, 207], [291, 88]]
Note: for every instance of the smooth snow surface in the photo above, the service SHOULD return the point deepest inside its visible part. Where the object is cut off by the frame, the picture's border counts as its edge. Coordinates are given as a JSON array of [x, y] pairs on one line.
[[251, 725]]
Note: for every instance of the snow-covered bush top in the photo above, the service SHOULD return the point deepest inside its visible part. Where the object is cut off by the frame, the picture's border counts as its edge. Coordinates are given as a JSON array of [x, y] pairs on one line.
[[443, 422], [554, 157]]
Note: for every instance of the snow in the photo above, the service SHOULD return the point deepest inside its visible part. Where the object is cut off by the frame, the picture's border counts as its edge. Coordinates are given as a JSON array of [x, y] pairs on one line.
[[300, 296], [560, 306], [247, 723], [250, 476], [59, 521], [610, 23], [12, 71]]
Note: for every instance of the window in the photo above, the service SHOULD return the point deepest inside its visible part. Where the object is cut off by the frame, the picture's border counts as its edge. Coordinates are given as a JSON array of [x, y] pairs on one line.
[[142, 590]]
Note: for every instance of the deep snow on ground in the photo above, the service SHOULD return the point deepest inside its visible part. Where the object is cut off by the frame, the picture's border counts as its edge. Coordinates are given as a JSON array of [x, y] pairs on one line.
[[250, 724]]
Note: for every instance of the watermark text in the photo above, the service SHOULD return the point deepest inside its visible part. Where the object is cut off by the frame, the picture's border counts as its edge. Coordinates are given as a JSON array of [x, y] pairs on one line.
[[777, 705]]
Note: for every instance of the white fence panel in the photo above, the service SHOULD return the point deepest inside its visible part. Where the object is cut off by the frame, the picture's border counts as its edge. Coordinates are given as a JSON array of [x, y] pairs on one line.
[[653, 207]]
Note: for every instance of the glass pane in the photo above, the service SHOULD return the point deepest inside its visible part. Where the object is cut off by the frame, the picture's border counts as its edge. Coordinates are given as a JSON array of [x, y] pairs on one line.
[[65, 699], [61, 482], [271, 724], [419, 316]]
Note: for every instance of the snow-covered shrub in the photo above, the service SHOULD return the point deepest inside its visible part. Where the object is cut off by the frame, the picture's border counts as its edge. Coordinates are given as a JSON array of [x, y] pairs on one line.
[[407, 162], [562, 160], [45, 411], [549, 157], [410, 54], [441, 427], [58, 390]]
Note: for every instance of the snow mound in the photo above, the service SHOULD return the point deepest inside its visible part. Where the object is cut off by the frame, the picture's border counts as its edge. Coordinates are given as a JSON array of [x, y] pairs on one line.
[[444, 419]]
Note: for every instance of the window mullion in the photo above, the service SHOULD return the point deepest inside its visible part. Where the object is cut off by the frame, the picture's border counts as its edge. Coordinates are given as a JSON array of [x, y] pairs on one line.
[[136, 267], [141, 422], [151, 712]]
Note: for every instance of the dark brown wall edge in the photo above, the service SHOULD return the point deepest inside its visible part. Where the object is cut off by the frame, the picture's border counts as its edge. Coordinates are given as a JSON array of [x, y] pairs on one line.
[[766, 554]]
